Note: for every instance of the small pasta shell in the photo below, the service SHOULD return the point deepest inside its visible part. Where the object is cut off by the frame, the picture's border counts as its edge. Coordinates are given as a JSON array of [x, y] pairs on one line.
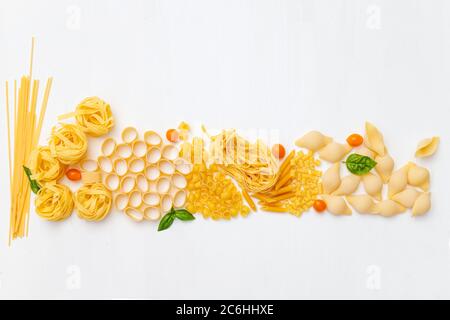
[[142, 182], [419, 177], [89, 165], [179, 199], [313, 141], [105, 164], [124, 151], [179, 181], [127, 184], [348, 186], [183, 167], [139, 148], [136, 165], [151, 199], [374, 140], [362, 203], [373, 185], [389, 208], [134, 214], [120, 167], [108, 147], [398, 181], [166, 167], [331, 180], [366, 152], [422, 205], [385, 167], [151, 138], [152, 213], [337, 205], [407, 197], [121, 201], [163, 185], [427, 147], [129, 134], [153, 155], [112, 181], [135, 200], [170, 152], [166, 203], [152, 172], [334, 152]]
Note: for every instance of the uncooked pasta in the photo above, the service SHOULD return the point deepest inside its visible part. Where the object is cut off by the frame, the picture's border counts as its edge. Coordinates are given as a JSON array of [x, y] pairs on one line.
[[68, 143], [54, 202], [93, 202], [45, 167]]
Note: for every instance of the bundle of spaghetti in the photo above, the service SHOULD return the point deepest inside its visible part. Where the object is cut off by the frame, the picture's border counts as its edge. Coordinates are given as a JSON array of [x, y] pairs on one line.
[[68, 143], [25, 133], [93, 115], [297, 186], [213, 194], [253, 166], [93, 202], [44, 166], [54, 202]]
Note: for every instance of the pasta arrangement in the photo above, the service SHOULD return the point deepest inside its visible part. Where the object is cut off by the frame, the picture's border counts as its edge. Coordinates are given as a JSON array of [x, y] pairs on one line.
[[151, 179], [147, 177]]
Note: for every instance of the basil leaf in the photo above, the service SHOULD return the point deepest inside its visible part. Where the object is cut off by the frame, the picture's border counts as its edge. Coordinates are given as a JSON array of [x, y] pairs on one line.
[[184, 215], [359, 164], [166, 221], [35, 187]]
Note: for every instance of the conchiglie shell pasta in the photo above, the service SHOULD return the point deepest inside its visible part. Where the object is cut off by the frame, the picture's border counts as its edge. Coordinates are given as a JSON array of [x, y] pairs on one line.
[[427, 147], [313, 141], [331, 179], [337, 205], [385, 167], [366, 152], [373, 185], [334, 152], [398, 181], [419, 177], [375, 140], [389, 208], [348, 186], [422, 205], [362, 204], [407, 197]]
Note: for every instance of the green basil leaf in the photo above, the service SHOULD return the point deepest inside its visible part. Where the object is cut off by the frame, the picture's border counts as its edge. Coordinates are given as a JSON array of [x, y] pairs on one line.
[[166, 221], [35, 187], [359, 164], [184, 215]]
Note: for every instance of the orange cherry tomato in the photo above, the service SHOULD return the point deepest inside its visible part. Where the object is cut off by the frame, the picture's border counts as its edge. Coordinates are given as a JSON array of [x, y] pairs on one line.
[[172, 135], [320, 205], [355, 140], [278, 151], [73, 174]]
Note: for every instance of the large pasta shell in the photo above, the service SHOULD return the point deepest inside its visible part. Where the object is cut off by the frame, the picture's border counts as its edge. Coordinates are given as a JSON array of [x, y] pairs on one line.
[[427, 147], [313, 141], [375, 140]]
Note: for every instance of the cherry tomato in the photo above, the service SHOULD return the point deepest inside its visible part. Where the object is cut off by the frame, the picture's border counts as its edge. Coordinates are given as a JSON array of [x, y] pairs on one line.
[[172, 135], [320, 205], [278, 151], [73, 174], [355, 140]]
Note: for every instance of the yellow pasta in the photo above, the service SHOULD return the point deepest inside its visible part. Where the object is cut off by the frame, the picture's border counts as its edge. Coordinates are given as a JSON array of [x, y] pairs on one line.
[[93, 115], [419, 177], [389, 208], [427, 147], [68, 143], [407, 198], [385, 167], [313, 141], [45, 167], [348, 186], [362, 203], [93, 202], [337, 205], [373, 185], [331, 179], [374, 140], [334, 152], [54, 202], [422, 205]]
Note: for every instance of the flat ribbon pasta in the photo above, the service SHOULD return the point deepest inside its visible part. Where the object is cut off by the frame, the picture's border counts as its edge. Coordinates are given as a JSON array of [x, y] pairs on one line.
[[45, 167], [54, 202], [93, 202], [68, 143], [93, 115]]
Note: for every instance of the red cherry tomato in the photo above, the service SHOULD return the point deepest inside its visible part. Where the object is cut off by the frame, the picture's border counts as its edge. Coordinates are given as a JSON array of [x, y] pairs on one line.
[[172, 135], [73, 174], [278, 151], [320, 205]]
